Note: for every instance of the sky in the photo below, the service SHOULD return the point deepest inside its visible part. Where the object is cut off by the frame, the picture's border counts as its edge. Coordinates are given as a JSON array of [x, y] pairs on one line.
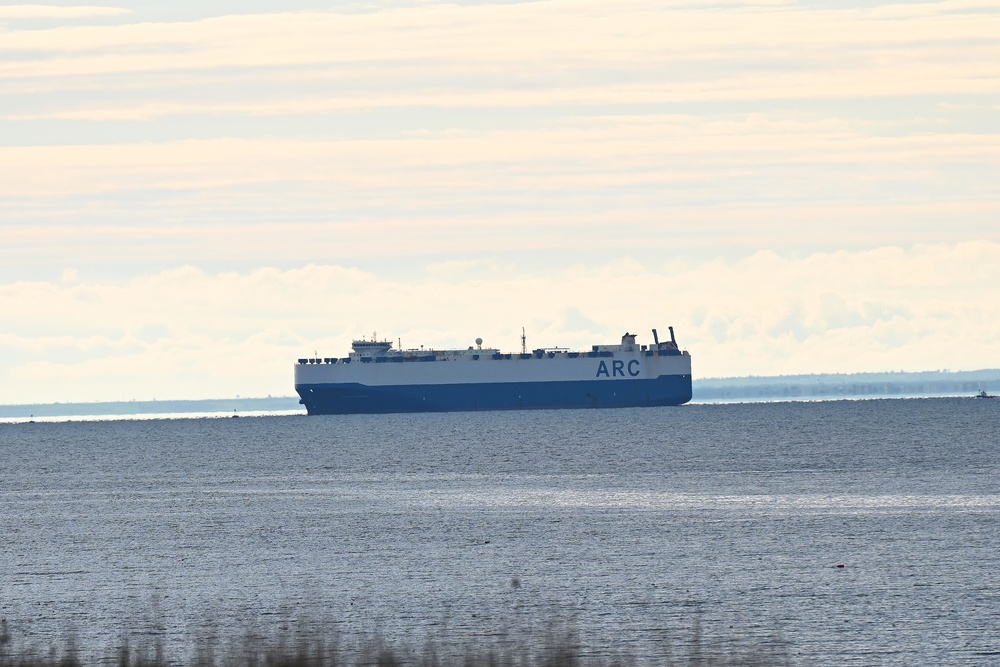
[[195, 194]]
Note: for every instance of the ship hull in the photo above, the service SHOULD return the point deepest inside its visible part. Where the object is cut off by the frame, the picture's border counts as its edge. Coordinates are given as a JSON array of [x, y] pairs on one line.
[[358, 398]]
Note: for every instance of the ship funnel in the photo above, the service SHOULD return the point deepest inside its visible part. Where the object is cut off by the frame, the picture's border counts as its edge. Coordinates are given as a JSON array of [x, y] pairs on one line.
[[672, 339], [656, 339]]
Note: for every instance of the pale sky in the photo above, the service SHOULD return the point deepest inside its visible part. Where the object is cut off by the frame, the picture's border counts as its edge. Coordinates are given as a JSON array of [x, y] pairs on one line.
[[195, 194]]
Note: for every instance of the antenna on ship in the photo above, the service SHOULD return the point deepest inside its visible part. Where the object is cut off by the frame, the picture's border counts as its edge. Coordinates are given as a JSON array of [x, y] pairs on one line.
[[524, 342]]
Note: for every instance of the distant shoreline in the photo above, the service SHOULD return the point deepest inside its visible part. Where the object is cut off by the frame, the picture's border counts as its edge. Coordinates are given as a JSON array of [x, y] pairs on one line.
[[132, 408], [927, 384]]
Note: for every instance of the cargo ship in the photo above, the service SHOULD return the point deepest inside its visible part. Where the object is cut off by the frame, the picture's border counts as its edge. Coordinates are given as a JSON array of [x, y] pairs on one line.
[[376, 378]]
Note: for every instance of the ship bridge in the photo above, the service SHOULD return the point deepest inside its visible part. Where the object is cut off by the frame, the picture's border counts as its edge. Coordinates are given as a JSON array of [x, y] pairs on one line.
[[371, 348]]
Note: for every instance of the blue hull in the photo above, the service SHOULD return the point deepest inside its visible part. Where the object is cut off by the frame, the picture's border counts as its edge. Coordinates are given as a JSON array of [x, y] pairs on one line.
[[333, 399]]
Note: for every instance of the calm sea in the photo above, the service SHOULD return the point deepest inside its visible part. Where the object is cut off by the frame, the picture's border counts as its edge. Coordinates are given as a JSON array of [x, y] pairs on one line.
[[833, 533]]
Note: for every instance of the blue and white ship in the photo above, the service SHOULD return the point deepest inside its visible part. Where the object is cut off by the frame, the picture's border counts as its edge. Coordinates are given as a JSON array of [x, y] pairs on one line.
[[376, 378]]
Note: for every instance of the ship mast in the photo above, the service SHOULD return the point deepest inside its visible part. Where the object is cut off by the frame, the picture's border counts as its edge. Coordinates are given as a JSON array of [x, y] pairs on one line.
[[524, 342]]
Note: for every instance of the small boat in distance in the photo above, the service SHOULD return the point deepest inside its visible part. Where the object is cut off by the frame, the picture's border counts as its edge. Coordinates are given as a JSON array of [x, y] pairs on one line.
[[982, 394]]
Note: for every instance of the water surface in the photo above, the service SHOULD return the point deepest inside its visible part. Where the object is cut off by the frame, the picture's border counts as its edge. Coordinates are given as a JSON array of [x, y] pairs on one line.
[[628, 526]]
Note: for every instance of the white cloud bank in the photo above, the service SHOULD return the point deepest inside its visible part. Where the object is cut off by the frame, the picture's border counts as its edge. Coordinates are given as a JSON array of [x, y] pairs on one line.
[[186, 334]]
